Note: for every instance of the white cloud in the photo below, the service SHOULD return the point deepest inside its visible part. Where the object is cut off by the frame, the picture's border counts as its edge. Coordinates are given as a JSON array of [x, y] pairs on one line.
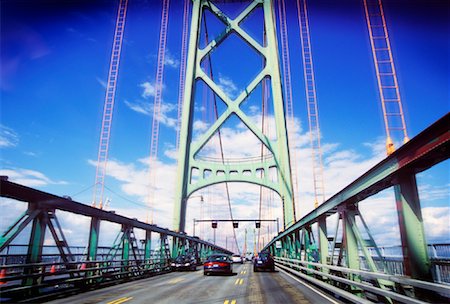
[[228, 86], [432, 193], [146, 108], [101, 82], [139, 107], [200, 126], [30, 178], [170, 60], [8, 137], [32, 154], [437, 223], [149, 90]]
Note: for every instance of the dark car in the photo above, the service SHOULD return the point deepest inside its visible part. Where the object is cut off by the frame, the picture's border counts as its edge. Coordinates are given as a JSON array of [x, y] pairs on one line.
[[264, 261], [184, 262], [218, 263]]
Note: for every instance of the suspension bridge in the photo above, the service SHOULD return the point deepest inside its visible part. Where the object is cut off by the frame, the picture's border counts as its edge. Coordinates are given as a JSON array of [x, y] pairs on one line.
[[327, 255]]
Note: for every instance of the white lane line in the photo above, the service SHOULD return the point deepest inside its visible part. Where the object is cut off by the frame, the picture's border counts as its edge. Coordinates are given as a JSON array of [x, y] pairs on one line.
[[306, 285]]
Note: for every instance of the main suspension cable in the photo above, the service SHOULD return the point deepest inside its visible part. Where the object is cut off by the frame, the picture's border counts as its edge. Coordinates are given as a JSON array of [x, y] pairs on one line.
[[157, 103], [108, 108]]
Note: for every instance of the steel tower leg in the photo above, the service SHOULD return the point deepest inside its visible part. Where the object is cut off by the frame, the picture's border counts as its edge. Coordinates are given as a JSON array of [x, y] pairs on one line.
[[220, 172]]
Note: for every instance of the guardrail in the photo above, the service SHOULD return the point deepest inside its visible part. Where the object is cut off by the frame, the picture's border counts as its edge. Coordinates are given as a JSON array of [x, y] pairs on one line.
[[360, 281], [62, 277]]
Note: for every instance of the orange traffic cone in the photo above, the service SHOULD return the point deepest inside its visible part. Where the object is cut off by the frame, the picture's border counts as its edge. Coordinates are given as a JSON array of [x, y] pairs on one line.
[[53, 269], [2, 275]]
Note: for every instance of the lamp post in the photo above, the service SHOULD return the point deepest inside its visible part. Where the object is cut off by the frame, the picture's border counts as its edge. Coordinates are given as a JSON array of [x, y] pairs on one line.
[[194, 221]]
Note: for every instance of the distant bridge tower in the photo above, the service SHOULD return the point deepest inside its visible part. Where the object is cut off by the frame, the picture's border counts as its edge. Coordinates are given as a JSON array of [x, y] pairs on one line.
[[195, 173]]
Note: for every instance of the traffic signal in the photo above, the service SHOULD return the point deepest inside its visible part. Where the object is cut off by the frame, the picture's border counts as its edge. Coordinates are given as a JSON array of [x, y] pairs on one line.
[[258, 225], [235, 224], [214, 225]]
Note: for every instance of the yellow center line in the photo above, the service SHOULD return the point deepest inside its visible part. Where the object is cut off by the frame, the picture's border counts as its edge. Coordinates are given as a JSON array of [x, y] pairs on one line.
[[228, 302], [237, 282], [241, 281], [120, 300], [233, 302]]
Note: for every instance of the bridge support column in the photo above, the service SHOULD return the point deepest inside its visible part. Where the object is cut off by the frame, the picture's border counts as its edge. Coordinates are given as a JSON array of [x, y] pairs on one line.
[[93, 239], [125, 244], [323, 240], [416, 262], [148, 249], [349, 239], [298, 245], [35, 246]]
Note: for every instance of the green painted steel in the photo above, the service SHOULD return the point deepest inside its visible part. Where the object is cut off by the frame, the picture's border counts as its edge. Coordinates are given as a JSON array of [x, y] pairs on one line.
[[415, 255], [350, 245], [126, 245], [10, 233], [363, 247], [93, 239], [148, 248], [220, 172], [323, 240], [178, 246], [35, 246]]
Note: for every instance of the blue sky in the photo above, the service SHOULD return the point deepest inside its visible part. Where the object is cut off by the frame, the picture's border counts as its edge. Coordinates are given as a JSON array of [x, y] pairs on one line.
[[54, 64]]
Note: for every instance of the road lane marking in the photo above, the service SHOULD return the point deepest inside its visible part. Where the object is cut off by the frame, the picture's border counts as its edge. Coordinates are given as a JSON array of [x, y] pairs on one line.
[[233, 302], [228, 301], [121, 300], [176, 280], [239, 282], [306, 285], [243, 272]]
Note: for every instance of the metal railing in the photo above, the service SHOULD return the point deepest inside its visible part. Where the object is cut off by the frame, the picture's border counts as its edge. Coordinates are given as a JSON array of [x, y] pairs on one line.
[[358, 281], [52, 278]]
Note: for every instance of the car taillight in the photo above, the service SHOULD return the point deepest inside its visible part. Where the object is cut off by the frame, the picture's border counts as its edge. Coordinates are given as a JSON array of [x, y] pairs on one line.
[[222, 264]]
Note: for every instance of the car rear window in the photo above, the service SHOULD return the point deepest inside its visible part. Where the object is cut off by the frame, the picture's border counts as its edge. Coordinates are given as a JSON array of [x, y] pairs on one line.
[[217, 258]]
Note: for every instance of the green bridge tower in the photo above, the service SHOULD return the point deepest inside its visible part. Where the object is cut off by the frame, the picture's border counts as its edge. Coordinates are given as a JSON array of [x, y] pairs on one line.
[[210, 172]]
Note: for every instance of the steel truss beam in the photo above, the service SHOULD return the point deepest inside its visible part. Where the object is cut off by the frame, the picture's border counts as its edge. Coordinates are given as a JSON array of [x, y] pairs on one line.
[[211, 173], [428, 148], [37, 276], [398, 170], [39, 200]]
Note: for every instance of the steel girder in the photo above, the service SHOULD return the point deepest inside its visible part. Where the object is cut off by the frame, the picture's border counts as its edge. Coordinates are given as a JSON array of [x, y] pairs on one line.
[[422, 152], [398, 170], [220, 172], [39, 200]]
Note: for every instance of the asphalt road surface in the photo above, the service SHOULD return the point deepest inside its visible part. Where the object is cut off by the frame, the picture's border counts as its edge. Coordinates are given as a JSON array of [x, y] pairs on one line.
[[244, 286]]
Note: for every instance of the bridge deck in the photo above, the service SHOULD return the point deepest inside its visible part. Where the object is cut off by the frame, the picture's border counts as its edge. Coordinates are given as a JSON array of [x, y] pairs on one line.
[[244, 286]]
